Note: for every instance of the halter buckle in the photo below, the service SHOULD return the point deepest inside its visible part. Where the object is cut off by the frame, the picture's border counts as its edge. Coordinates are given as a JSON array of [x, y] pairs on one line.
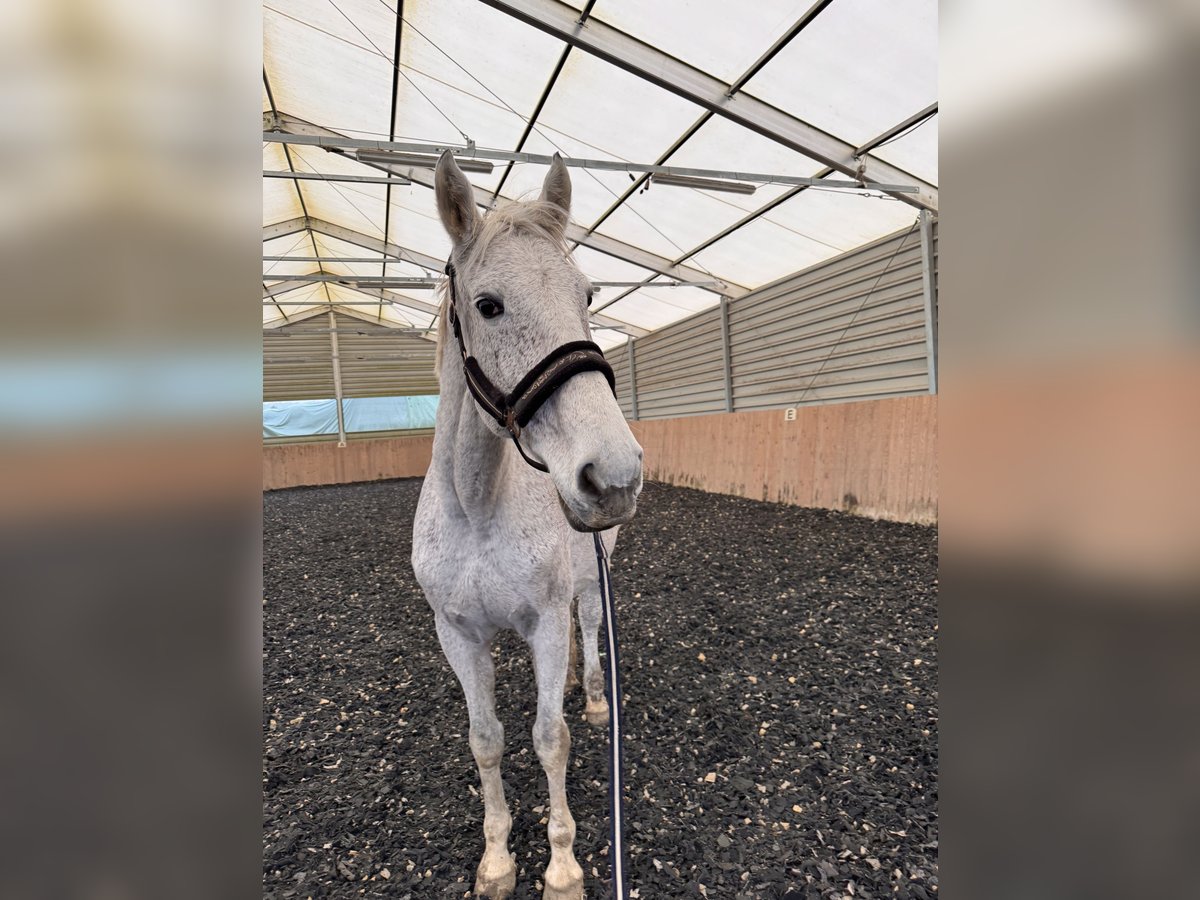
[[510, 423]]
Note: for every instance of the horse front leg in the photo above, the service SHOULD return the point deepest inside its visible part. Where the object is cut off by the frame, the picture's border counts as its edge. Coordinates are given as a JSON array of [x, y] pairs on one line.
[[552, 741], [590, 613], [471, 660]]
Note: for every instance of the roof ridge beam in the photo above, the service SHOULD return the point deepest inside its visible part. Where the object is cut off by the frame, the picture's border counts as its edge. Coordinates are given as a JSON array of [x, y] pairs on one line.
[[651, 64], [283, 229], [284, 287]]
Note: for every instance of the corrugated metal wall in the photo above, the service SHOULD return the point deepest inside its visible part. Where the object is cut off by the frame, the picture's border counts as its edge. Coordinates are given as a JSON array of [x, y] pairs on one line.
[[679, 369], [375, 362], [852, 328], [618, 358]]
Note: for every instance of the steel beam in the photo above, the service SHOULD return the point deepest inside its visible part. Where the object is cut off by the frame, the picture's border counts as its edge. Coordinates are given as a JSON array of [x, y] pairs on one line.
[[929, 285], [659, 68], [283, 287], [726, 365], [575, 233], [388, 298], [283, 229], [378, 302], [470, 154], [321, 307], [633, 404], [337, 377], [365, 281], [370, 319], [331, 259], [317, 176], [358, 239], [784, 39], [426, 282]]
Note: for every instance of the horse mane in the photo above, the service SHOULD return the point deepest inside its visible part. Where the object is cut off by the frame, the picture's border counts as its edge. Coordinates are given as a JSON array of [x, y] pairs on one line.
[[538, 218]]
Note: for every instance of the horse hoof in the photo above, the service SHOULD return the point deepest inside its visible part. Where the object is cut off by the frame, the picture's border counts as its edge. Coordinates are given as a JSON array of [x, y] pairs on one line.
[[569, 894], [569, 889], [497, 885], [596, 713]]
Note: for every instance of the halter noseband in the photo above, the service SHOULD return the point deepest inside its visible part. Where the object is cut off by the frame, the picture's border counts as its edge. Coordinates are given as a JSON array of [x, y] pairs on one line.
[[514, 410]]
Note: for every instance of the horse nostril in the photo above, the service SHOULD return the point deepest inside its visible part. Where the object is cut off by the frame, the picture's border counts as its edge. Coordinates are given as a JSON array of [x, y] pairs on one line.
[[587, 481]]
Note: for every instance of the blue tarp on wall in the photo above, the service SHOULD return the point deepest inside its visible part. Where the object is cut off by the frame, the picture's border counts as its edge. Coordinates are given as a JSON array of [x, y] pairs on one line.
[[299, 418]]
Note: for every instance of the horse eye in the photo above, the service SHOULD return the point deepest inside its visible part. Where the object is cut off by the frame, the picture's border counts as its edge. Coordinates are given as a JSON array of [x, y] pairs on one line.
[[488, 307], [590, 294]]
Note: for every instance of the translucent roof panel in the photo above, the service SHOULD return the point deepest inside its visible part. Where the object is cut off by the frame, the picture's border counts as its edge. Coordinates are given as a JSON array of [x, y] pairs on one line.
[[337, 78], [468, 70], [702, 34], [653, 308], [760, 252], [601, 267], [840, 219], [671, 221], [597, 104], [299, 244], [415, 224], [356, 205], [293, 304], [859, 67], [460, 84], [280, 200], [721, 144], [275, 269], [608, 339], [334, 249], [916, 151], [592, 192]]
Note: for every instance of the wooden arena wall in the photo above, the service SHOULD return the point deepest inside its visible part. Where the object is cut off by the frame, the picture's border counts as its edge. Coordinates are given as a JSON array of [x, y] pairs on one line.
[[323, 462], [874, 458]]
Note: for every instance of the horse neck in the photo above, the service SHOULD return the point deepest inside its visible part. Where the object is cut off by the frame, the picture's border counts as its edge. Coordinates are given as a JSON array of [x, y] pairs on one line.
[[470, 461]]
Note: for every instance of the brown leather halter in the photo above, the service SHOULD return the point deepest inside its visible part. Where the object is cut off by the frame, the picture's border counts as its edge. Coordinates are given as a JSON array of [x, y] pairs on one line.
[[515, 409]]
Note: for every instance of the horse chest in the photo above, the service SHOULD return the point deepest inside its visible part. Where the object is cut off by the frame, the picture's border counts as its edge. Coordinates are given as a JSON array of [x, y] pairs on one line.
[[501, 576]]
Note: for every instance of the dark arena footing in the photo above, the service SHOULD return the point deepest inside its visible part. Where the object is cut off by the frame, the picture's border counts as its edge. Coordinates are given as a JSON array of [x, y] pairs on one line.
[[780, 677]]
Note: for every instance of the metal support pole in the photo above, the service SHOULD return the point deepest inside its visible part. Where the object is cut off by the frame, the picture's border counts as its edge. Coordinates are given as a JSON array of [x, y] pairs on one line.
[[632, 380], [337, 377], [725, 356], [929, 284]]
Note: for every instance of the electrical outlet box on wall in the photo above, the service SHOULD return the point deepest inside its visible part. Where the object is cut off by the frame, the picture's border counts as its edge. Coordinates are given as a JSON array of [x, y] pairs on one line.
[[789, 414]]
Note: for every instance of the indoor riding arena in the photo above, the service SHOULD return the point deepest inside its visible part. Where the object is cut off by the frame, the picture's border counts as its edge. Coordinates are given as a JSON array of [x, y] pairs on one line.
[[748, 203]]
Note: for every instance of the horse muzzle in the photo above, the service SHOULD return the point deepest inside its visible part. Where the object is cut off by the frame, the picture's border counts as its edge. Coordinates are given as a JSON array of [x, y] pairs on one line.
[[596, 503]]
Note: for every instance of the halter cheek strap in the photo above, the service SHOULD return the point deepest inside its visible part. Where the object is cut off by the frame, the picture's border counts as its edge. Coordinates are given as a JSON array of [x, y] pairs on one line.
[[514, 410]]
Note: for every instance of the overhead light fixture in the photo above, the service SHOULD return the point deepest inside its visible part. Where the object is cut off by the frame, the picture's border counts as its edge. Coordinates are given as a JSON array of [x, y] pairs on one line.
[[706, 184], [420, 160]]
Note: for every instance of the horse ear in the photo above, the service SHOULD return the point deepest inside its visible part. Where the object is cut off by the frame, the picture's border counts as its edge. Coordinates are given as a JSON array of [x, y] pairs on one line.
[[556, 188], [455, 199]]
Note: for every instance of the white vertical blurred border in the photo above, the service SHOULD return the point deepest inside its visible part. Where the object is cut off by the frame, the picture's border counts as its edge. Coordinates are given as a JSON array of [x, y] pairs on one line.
[[130, 599], [1069, 422]]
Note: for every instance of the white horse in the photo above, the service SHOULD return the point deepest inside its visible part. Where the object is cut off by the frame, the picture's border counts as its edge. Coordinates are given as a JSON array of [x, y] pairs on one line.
[[493, 545]]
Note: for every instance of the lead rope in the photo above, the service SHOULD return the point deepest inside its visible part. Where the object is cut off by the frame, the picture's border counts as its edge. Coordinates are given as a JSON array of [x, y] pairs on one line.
[[616, 793]]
